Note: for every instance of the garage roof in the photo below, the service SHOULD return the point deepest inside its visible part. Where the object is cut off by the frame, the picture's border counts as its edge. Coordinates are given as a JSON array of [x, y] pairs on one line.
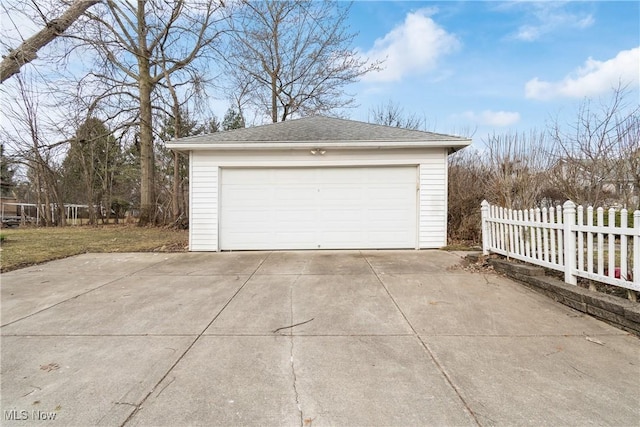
[[318, 131]]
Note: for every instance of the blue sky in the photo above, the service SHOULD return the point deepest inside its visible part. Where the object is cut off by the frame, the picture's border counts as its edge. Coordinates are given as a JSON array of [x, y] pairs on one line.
[[485, 66], [495, 66]]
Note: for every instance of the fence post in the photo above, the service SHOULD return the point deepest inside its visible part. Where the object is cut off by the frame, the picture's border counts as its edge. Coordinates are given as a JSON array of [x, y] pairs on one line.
[[484, 214], [569, 221]]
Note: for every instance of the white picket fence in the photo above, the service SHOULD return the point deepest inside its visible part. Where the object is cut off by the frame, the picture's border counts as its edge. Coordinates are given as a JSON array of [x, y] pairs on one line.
[[561, 239]]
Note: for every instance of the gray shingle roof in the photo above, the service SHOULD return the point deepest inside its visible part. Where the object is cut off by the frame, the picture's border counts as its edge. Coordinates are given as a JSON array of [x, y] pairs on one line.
[[317, 129]]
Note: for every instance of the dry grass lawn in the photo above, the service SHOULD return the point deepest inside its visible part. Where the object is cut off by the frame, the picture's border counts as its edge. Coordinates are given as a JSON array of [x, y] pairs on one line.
[[22, 247]]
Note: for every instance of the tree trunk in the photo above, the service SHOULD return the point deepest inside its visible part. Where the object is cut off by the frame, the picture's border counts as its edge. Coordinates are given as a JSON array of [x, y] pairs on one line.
[[147, 206], [185, 199], [145, 85], [177, 125], [175, 203], [177, 133], [62, 214], [48, 217], [28, 50], [40, 203]]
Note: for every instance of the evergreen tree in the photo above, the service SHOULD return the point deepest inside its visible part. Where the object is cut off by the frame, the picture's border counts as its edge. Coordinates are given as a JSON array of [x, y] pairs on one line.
[[6, 175], [233, 120], [90, 167]]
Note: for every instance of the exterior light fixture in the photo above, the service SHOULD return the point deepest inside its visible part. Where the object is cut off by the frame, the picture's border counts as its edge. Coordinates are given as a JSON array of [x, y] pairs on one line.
[[317, 151]]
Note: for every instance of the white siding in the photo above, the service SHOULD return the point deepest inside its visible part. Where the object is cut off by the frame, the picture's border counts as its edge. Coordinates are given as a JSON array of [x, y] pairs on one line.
[[204, 184], [203, 195], [433, 202], [332, 157]]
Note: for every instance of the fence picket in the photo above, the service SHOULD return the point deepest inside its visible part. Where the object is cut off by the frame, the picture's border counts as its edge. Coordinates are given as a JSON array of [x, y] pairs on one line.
[[494, 226], [501, 227], [545, 235], [580, 239], [512, 234], [552, 235], [539, 234], [560, 236], [590, 240], [532, 227], [611, 264], [527, 235], [516, 233], [600, 236], [624, 270], [636, 248]]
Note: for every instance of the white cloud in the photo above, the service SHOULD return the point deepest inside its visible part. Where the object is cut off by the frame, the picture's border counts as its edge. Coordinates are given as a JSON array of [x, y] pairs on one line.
[[411, 48], [492, 118], [548, 17], [594, 78]]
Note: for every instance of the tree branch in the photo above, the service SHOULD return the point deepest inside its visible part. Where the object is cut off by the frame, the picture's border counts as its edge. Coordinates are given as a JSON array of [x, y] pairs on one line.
[[28, 50]]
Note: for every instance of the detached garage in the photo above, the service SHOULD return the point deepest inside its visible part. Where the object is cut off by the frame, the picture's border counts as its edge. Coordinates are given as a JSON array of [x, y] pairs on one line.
[[318, 183]]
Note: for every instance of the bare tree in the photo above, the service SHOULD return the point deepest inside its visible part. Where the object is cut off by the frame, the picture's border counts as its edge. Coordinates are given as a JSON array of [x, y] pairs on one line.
[[26, 136], [517, 165], [629, 170], [626, 173], [139, 44], [393, 115], [27, 51], [293, 57], [589, 151]]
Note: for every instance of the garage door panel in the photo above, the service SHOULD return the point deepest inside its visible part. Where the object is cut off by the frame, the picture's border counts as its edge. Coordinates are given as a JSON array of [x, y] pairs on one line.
[[380, 217], [341, 215], [341, 176], [336, 238], [346, 192], [310, 208], [239, 196], [390, 192], [295, 216], [294, 193], [239, 217], [294, 237]]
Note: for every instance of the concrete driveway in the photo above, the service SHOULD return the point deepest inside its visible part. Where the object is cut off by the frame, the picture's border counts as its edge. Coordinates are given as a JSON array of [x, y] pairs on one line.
[[393, 338]]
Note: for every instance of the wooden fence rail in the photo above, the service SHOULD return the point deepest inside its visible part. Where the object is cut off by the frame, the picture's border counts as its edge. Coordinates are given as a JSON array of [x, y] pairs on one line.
[[567, 239]]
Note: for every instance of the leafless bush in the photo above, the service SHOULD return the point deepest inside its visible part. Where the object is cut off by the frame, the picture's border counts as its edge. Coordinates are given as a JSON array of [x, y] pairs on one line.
[[467, 177]]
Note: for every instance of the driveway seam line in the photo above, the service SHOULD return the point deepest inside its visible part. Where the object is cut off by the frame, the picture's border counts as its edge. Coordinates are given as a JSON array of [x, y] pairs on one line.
[[448, 379], [77, 296], [190, 346], [152, 265], [293, 369], [82, 293]]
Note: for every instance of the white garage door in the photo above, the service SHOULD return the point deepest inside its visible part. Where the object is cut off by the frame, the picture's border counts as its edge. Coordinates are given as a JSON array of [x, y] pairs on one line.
[[318, 208]]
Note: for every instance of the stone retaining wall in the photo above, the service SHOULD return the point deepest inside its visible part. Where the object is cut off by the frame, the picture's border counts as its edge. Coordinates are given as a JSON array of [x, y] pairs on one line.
[[616, 311]]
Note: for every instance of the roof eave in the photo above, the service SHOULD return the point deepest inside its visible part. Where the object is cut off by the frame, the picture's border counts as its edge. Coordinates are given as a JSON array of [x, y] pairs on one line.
[[340, 145]]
